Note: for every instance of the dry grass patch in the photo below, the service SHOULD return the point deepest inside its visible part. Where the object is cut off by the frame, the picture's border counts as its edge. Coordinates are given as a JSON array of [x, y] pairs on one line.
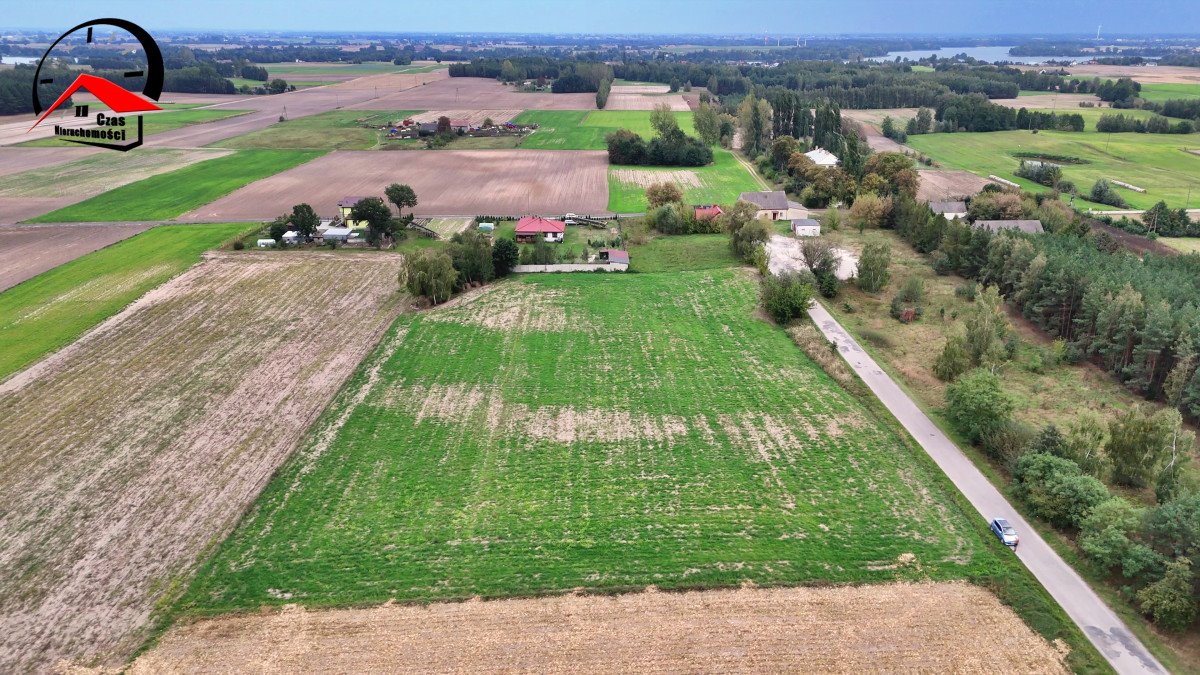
[[888, 628], [642, 178]]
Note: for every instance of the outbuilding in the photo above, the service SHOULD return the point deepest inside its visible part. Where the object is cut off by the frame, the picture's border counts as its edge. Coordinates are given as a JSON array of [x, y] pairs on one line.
[[291, 237], [822, 157], [806, 227], [707, 211], [951, 210], [338, 234], [266, 243], [773, 205]]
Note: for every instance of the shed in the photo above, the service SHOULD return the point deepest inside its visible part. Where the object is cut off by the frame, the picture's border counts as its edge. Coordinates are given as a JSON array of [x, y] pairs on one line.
[[266, 243], [806, 227], [951, 210], [822, 157], [341, 234], [1029, 226], [530, 228], [615, 256], [487, 227], [291, 237], [707, 211]]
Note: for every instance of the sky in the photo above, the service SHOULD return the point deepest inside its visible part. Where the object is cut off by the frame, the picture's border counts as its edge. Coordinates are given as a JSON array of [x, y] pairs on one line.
[[778, 17]]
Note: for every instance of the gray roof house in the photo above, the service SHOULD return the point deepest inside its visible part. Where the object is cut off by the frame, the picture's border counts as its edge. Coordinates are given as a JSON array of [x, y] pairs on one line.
[[1029, 226], [766, 201], [948, 207]]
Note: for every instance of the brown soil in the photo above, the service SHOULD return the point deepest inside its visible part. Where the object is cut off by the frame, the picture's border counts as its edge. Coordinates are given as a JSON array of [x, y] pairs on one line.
[[618, 101], [448, 182], [1063, 102], [947, 184], [474, 116], [28, 250], [448, 93], [126, 455], [640, 89], [869, 121], [894, 628], [1163, 74]]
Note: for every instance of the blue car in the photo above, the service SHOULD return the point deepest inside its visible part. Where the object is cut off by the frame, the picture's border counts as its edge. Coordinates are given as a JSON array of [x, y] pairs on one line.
[[1005, 533]]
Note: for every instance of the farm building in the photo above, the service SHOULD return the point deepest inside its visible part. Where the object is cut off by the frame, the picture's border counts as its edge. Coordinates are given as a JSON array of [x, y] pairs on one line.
[[338, 234], [707, 211], [266, 243], [460, 126], [806, 227], [1030, 226], [774, 205], [614, 256], [822, 157], [291, 237], [530, 228], [344, 207], [951, 210]]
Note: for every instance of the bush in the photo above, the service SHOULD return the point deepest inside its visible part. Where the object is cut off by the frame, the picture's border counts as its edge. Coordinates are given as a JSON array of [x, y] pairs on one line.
[[238, 245], [625, 147], [1104, 193], [786, 296], [954, 360], [873, 272], [942, 265], [1056, 490], [1009, 442], [666, 192], [967, 291], [668, 219], [977, 405], [1042, 173], [430, 274], [1171, 601]]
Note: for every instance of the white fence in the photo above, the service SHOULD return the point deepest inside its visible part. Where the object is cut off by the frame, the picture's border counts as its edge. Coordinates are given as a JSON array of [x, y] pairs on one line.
[[571, 267]]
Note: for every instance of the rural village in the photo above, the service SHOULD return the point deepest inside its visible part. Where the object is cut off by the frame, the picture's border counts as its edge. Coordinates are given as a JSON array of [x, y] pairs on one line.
[[376, 351]]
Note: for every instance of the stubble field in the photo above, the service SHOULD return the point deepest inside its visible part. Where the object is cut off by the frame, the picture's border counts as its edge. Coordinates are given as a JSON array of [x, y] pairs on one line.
[[127, 455], [600, 432]]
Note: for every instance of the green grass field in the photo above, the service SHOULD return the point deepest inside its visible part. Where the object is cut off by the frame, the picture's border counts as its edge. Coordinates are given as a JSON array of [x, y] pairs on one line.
[[1182, 244], [585, 130], [333, 130], [1158, 92], [169, 195], [679, 253], [51, 310], [720, 183], [1157, 162], [175, 117]]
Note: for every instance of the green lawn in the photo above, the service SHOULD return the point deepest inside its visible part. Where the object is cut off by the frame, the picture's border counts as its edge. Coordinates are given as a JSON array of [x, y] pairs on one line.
[[169, 195], [585, 130], [1156, 162], [51, 310], [679, 253], [720, 183], [1159, 92], [1182, 244], [333, 130], [155, 123]]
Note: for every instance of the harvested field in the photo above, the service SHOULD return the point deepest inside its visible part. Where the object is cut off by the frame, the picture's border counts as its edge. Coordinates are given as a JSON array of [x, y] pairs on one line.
[[640, 89], [448, 227], [457, 93], [447, 182], [886, 628], [874, 116], [18, 160], [644, 102], [1063, 103], [473, 116], [1157, 74], [94, 174], [948, 184], [643, 178], [126, 455], [28, 250]]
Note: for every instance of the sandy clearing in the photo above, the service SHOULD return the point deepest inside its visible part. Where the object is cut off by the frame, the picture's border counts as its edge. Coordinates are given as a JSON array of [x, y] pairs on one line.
[[125, 455], [946, 627], [474, 116], [645, 102], [450, 93], [784, 255], [643, 178], [28, 250], [948, 184], [447, 182]]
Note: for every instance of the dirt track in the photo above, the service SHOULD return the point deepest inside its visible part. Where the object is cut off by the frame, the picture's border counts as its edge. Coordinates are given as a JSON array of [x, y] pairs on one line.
[[447, 182], [28, 250], [895, 628], [127, 454]]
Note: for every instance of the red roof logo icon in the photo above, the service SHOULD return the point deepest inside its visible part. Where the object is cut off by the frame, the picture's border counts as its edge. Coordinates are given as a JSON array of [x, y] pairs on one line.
[[116, 97]]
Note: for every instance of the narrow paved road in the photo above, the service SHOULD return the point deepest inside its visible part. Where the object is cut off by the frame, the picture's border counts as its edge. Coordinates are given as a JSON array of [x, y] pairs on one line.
[[1103, 627]]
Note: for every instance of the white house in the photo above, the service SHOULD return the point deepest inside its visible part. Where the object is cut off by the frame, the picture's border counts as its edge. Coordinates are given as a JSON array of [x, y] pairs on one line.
[[774, 205], [806, 227], [822, 157], [951, 210]]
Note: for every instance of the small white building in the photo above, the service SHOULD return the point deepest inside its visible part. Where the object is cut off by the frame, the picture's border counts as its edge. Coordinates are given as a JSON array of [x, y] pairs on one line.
[[822, 157], [951, 210], [291, 237], [338, 234], [806, 227], [266, 243]]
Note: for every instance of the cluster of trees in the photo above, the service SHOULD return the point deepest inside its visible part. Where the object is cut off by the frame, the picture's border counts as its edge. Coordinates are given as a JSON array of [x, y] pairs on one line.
[[1170, 222], [669, 147], [602, 93], [1042, 173], [919, 124], [973, 112], [1104, 193], [1188, 109], [1052, 121], [1120, 92], [1157, 124], [667, 213], [568, 75], [471, 260], [15, 86], [713, 126], [199, 79]]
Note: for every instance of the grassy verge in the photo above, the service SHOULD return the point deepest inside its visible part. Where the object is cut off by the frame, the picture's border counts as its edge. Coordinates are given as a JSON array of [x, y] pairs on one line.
[[172, 194], [333, 130], [719, 183], [53, 309]]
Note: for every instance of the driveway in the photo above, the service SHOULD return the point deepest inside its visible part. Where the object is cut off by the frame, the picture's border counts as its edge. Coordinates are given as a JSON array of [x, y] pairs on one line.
[[1110, 635]]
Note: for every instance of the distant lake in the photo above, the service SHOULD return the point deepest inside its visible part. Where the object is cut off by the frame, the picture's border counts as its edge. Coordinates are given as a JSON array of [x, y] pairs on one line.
[[18, 59], [989, 54]]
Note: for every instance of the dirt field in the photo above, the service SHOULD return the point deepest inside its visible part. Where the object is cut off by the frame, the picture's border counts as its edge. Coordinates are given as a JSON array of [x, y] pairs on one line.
[[475, 116], [644, 102], [28, 250], [16, 160], [642, 178], [948, 184], [447, 183], [640, 89], [1064, 102], [455, 93], [1161, 74], [124, 456], [869, 121], [947, 627]]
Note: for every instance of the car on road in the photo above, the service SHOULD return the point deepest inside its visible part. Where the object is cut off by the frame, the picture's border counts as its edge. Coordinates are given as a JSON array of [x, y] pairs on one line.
[[1005, 532]]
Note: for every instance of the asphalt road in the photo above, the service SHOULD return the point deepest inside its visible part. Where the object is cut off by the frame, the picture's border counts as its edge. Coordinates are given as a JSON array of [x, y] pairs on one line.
[[1103, 627]]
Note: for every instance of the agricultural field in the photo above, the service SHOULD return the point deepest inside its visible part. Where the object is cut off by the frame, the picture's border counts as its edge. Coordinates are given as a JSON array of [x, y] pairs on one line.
[[179, 116], [168, 195], [1159, 92], [28, 250], [591, 431], [834, 629], [448, 227], [1157, 162], [240, 82], [124, 457], [1182, 244], [451, 93], [718, 183], [283, 70], [676, 253], [51, 310], [333, 130], [447, 182], [585, 130]]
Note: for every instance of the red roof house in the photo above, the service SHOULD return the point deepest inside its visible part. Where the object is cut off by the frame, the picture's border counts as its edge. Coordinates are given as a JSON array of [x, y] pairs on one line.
[[708, 212], [530, 228]]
